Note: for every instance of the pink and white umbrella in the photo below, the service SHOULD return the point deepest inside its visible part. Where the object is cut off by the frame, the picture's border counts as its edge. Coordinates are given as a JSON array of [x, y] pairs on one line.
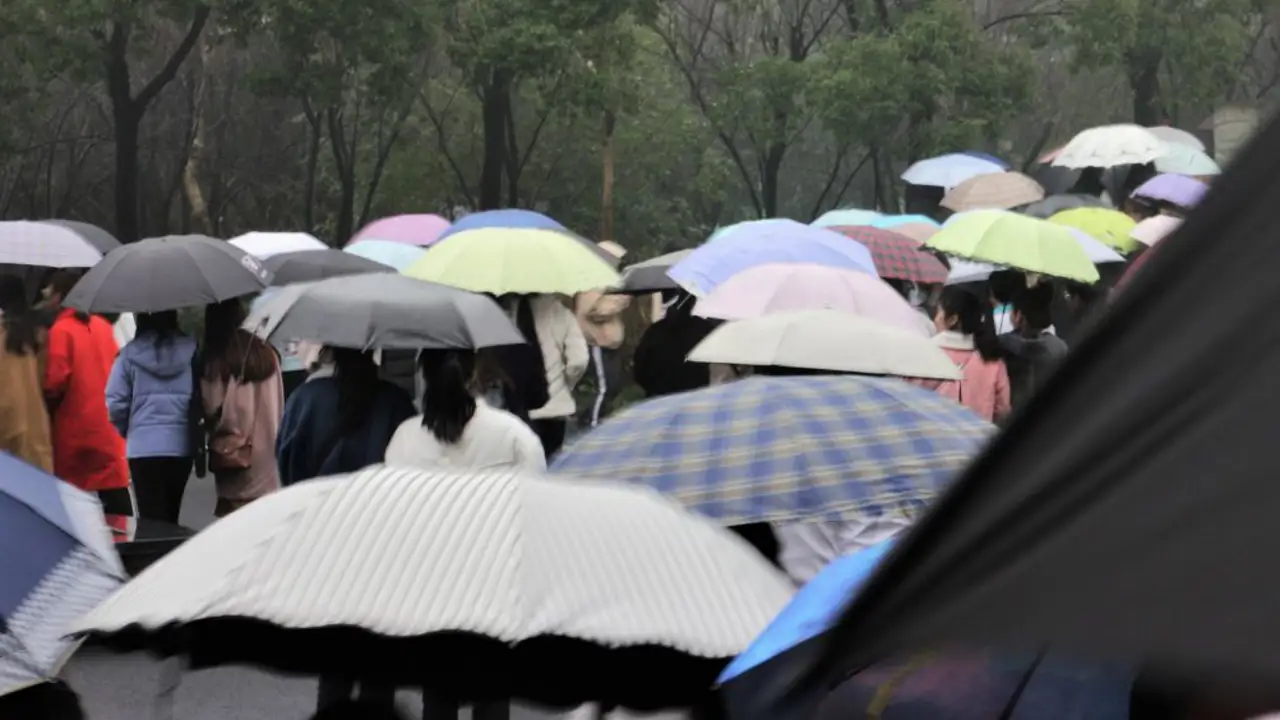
[[421, 230], [775, 288]]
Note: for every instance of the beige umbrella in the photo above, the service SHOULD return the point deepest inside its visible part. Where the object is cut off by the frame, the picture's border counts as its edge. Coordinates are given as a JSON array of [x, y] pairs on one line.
[[825, 340], [918, 231], [997, 191]]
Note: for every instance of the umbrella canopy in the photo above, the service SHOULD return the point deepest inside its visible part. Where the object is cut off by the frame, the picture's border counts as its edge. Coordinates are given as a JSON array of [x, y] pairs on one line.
[[502, 260], [967, 271], [58, 563], [383, 311], [1000, 191], [1148, 547], [898, 256], [168, 273], [763, 242], [1097, 251], [774, 288], [829, 340], [263, 245], [1175, 136], [1111, 227], [508, 218], [1180, 190], [559, 590], [312, 265], [392, 254], [845, 216], [53, 243], [1111, 145], [1187, 161], [1054, 204], [781, 449], [420, 230], [918, 231], [1016, 241], [948, 171], [895, 221], [1154, 229], [651, 275]]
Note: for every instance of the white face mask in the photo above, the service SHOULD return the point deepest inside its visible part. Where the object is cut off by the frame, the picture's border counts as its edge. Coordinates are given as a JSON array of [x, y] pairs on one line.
[[917, 297]]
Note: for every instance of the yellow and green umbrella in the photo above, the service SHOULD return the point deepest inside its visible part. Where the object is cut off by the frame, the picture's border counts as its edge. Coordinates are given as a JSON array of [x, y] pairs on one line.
[[1111, 227], [501, 260], [1015, 241]]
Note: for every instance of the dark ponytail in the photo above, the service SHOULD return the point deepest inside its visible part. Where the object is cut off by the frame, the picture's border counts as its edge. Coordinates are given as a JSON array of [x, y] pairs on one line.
[[973, 315], [447, 403], [357, 377], [21, 326]]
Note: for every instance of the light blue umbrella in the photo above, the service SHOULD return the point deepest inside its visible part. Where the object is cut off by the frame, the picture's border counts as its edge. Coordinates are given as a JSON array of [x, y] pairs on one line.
[[735, 248], [845, 217], [948, 171], [509, 218], [395, 254], [887, 222]]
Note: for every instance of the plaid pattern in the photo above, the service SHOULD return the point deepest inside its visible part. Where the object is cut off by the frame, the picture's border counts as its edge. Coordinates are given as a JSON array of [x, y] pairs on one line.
[[45, 244], [778, 449], [896, 255]]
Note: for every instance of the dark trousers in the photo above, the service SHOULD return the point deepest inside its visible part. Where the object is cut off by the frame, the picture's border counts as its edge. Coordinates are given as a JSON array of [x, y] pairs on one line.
[[551, 432], [158, 485], [116, 501]]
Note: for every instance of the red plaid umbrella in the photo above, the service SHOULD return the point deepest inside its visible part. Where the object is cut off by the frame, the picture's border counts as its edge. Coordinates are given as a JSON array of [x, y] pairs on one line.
[[897, 256]]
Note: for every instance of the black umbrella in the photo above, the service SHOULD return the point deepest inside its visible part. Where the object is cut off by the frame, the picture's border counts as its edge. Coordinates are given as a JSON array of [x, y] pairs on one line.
[[1130, 510], [1054, 204], [100, 239], [166, 274], [651, 275], [312, 265]]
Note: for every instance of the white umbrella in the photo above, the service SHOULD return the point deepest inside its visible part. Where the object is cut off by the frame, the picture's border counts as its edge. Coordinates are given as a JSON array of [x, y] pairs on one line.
[[825, 340], [1154, 229], [440, 575], [1176, 136], [266, 244], [948, 171], [1111, 145], [1097, 250], [967, 271], [1184, 160], [52, 244]]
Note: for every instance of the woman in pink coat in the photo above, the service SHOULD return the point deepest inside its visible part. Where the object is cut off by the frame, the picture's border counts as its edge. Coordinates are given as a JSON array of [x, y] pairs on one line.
[[967, 334]]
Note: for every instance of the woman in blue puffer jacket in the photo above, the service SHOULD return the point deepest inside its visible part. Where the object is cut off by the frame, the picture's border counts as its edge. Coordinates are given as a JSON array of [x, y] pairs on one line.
[[149, 399]]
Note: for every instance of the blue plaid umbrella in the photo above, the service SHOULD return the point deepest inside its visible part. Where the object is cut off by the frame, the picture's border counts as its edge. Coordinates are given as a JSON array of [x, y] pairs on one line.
[[57, 563], [777, 449]]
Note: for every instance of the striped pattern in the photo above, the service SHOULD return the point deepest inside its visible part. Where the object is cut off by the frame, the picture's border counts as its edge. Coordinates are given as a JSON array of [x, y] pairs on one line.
[[39, 244], [896, 255], [779, 449], [404, 552]]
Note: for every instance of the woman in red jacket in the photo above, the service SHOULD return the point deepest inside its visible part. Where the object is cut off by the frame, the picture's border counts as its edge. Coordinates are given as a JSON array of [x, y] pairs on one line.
[[87, 450]]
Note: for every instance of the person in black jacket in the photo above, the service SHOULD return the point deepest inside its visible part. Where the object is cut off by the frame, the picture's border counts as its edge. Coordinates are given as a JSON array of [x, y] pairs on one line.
[[660, 366], [1031, 351]]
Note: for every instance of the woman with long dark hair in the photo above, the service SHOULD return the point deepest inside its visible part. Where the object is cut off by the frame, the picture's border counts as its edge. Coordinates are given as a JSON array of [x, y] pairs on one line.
[[966, 333], [243, 399], [149, 396], [24, 419], [340, 419]]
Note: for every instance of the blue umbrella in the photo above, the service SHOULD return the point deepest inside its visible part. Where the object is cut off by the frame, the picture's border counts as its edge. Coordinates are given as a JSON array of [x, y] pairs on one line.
[[732, 249], [845, 217], [888, 222], [58, 563], [511, 218], [393, 254]]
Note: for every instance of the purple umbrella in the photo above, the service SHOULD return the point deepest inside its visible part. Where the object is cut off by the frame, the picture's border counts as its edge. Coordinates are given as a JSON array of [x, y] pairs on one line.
[[420, 230], [1180, 190]]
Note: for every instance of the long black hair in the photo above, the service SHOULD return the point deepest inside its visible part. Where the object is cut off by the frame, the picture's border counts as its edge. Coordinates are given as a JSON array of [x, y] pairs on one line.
[[228, 351], [447, 403], [357, 377], [973, 318], [163, 325], [21, 324]]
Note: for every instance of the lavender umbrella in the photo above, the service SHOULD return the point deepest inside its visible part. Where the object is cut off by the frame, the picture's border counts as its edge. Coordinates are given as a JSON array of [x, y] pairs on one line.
[[1180, 190], [420, 230]]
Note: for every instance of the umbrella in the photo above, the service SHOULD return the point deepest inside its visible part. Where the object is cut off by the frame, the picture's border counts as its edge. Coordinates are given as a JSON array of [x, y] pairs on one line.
[[1154, 229], [168, 273], [1054, 204], [988, 157], [418, 230], [1016, 241], [1187, 161], [311, 265], [53, 243], [1130, 511], [896, 255], [948, 171], [1175, 136], [1098, 252], [845, 216], [392, 254], [263, 245], [762, 242], [780, 287], [894, 221], [967, 271], [827, 340], [918, 231], [782, 449], [58, 563], [1111, 145], [651, 275], [501, 260], [509, 218], [1000, 191], [1180, 190], [384, 311], [1111, 227], [480, 584]]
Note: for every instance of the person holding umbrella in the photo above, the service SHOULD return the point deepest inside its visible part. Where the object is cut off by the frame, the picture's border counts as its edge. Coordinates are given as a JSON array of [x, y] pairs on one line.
[[24, 419]]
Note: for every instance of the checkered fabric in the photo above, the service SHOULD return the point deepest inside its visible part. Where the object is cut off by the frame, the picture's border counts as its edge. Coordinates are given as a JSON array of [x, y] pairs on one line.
[[45, 244], [779, 449], [896, 255]]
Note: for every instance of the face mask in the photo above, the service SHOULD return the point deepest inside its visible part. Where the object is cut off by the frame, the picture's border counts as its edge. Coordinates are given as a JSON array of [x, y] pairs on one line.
[[917, 297]]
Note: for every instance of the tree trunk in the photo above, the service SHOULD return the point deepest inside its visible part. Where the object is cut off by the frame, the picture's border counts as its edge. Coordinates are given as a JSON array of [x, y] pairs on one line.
[[606, 184], [1144, 82], [313, 159], [191, 189], [769, 178], [496, 106]]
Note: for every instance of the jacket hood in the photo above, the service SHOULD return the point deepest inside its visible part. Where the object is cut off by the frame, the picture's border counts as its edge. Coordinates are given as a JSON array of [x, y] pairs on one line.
[[1044, 345], [163, 360]]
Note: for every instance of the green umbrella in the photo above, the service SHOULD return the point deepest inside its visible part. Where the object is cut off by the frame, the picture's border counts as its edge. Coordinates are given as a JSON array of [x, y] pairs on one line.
[[1015, 241]]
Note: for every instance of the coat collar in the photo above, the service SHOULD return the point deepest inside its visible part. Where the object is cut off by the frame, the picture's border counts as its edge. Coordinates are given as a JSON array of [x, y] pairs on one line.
[[952, 340]]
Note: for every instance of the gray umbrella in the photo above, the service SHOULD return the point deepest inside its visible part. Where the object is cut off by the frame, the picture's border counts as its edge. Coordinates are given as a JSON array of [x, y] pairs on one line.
[[168, 273], [1054, 204], [312, 265], [382, 311], [651, 275]]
